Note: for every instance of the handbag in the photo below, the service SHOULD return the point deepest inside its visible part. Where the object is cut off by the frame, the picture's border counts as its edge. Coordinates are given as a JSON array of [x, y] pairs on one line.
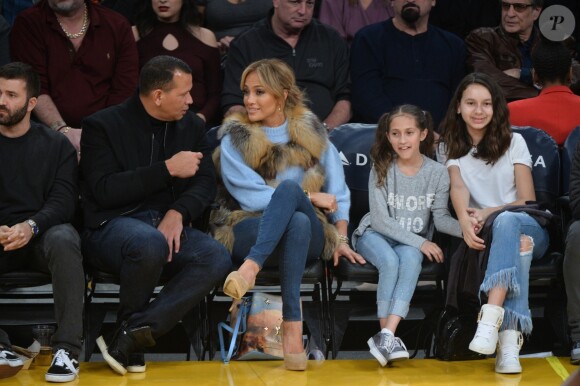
[[255, 328], [453, 335]]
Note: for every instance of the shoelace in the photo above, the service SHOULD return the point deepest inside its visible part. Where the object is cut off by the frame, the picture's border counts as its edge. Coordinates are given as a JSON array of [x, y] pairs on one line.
[[511, 352], [387, 342], [485, 332], [61, 359], [399, 343]]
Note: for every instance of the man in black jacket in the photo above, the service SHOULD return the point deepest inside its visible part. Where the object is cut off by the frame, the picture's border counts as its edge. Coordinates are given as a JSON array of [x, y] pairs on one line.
[[572, 260], [147, 174], [38, 196]]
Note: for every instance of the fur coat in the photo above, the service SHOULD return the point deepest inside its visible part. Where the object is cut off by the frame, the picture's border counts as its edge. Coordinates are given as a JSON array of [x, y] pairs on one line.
[[308, 140]]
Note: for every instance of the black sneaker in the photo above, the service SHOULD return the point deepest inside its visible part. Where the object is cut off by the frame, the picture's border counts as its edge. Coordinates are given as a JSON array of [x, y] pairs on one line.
[[63, 368], [399, 351], [380, 346], [575, 353], [137, 363], [124, 343]]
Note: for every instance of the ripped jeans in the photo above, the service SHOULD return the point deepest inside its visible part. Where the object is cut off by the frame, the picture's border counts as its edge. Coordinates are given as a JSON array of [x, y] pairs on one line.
[[509, 268]]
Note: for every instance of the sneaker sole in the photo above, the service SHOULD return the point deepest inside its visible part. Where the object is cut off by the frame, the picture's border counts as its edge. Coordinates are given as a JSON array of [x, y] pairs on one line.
[[136, 369], [398, 357], [112, 362], [59, 378], [376, 353], [509, 370]]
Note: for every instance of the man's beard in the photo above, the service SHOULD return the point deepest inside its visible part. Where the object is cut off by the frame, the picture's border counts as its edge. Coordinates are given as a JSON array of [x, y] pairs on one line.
[[14, 118], [410, 14]]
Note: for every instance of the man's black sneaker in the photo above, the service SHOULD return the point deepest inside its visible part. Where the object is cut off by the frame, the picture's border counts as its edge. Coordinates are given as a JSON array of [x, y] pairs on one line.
[[137, 363], [124, 343], [63, 368]]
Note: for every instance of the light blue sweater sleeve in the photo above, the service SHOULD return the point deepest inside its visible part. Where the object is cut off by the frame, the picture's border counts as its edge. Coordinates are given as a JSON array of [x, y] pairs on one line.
[[243, 183], [335, 183]]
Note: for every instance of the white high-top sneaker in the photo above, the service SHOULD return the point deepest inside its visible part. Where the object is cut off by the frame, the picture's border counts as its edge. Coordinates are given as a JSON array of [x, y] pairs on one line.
[[507, 360], [488, 322]]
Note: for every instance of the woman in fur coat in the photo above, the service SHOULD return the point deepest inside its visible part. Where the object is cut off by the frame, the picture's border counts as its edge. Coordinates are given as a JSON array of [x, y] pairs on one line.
[[287, 196]]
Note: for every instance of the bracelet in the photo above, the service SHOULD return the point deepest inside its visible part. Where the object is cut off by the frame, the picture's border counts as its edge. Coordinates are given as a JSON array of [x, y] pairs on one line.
[[343, 239], [64, 129], [307, 193], [57, 125]]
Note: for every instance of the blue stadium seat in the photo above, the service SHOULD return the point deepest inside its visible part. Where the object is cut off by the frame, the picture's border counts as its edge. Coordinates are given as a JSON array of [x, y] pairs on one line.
[[568, 150]]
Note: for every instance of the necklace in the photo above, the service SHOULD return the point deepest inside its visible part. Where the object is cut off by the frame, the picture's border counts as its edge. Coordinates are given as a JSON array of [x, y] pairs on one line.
[[83, 28]]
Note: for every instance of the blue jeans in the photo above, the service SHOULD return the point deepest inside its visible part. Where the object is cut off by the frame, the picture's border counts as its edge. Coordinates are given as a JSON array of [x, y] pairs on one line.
[[288, 230], [399, 266], [58, 252], [509, 268], [133, 248]]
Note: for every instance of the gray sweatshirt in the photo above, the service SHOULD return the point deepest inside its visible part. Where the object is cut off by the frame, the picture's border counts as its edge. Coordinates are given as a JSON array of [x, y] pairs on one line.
[[403, 207]]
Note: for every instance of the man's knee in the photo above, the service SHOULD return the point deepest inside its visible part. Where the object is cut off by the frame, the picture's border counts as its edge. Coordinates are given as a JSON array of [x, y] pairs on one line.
[[149, 248], [63, 235]]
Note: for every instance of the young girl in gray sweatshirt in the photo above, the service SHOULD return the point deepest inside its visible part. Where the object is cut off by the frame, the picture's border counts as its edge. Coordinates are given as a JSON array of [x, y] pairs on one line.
[[408, 198]]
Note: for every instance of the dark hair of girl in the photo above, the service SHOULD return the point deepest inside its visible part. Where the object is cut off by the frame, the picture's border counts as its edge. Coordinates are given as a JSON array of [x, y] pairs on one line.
[[497, 137], [146, 18], [382, 152]]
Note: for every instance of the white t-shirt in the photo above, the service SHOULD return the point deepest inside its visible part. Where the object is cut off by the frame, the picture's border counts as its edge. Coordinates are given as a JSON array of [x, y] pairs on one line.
[[488, 185]]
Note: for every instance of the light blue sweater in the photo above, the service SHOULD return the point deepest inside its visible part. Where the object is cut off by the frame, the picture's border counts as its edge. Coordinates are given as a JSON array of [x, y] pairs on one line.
[[252, 192]]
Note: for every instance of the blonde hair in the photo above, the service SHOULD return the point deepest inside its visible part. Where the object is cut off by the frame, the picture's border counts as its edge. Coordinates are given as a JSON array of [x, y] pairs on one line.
[[276, 77]]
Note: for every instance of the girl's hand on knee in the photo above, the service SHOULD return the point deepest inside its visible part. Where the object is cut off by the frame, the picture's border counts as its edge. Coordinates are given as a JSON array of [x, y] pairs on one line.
[[344, 250], [432, 251]]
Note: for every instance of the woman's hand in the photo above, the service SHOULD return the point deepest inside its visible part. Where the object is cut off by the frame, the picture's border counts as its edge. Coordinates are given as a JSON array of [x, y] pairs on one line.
[[432, 251], [470, 227], [344, 249], [324, 201], [480, 215]]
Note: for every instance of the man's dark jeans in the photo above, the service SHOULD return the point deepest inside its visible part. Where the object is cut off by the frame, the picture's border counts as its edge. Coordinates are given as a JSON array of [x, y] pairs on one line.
[[133, 248]]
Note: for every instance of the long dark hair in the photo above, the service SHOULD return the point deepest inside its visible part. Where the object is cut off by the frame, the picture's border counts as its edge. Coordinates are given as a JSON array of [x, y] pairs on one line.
[[382, 152], [146, 18], [497, 137]]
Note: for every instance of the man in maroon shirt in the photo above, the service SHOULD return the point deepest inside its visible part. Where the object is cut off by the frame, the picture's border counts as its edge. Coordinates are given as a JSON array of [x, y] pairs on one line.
[[85, 55]]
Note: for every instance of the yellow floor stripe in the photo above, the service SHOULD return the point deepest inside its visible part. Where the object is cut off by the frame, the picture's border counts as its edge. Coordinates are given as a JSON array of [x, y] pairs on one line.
[[558, 367]]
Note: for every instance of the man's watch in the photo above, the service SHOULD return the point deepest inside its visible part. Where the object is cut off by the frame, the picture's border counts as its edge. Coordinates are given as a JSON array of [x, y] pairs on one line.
[[33, 227]]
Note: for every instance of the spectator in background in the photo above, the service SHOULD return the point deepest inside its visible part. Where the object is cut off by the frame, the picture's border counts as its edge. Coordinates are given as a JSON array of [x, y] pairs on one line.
[[316, 53], [404, 60], [11, 8], [348, 16], [172, 28], [86, 58], [504, 52], [463, 16], [556, 110], [229, 18]]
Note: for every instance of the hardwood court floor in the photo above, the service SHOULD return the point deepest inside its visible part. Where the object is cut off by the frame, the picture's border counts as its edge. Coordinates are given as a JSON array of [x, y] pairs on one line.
[[537, 372]]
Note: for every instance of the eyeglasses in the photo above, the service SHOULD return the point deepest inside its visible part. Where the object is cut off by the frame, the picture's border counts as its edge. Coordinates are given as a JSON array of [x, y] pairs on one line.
[[518, 7]]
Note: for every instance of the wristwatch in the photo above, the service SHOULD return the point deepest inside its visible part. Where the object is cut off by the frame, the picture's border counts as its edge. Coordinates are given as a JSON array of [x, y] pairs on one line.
[[33, 227]]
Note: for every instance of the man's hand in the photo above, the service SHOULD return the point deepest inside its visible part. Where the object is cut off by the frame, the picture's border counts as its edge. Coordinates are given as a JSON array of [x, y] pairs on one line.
[[171, 226], [15, 237], [345, 250], [74, 136], [184, 164], [470, 227]]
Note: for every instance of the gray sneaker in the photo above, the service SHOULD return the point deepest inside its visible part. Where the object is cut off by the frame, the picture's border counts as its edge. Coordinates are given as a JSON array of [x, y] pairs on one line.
[[380, 346], [575, 353], [399, 351]]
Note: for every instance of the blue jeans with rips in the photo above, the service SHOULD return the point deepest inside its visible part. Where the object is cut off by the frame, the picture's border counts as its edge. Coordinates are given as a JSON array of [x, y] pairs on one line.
[[133, 248], [509, 268], [289, 231], [399, 266]]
